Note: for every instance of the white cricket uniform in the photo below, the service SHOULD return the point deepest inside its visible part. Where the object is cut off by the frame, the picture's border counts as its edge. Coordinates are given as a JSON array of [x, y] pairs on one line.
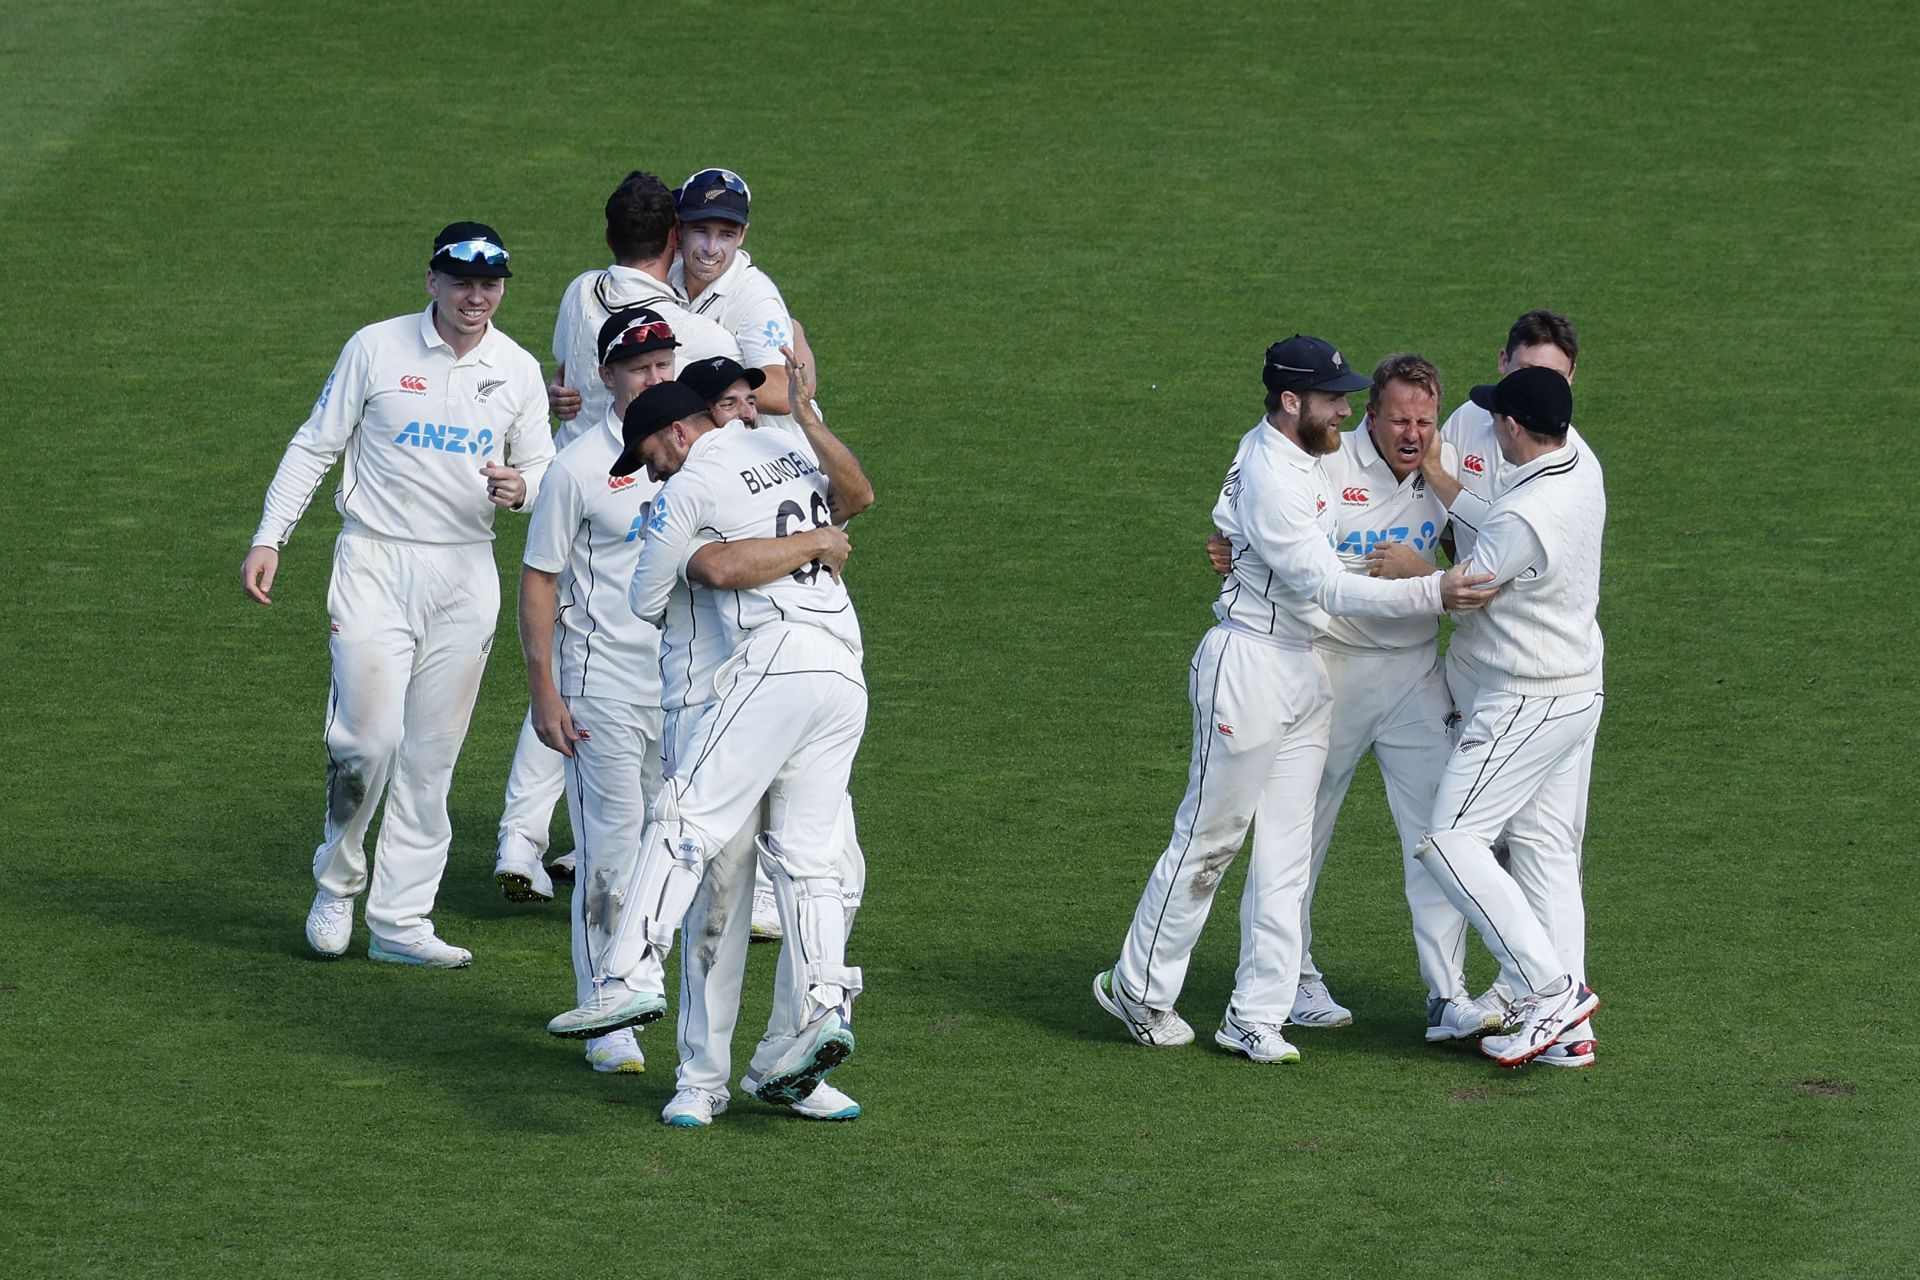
[[595, 295], [1545, 839], [534, 780], [786, 722], [1388, 697], [1526, 676], [588, 528], [713, 965], [414, 593], [1261, 707]]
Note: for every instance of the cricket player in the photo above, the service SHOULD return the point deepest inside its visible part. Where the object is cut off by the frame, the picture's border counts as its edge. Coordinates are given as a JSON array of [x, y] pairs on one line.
[[788, 720], [1261, 711], [1526, 680], [1389, 697], [593, 669], [721, 281], [725, 911], [442, 419], [1537, 339], [643, 235]]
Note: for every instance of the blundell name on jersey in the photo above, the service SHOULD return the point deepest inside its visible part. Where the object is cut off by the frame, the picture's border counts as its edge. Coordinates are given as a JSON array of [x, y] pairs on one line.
[[768, 474]]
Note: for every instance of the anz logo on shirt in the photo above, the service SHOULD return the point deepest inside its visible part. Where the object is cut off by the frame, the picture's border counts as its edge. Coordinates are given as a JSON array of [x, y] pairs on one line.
[[446, 438], [1361, 541], [774, 335], [653, 517]]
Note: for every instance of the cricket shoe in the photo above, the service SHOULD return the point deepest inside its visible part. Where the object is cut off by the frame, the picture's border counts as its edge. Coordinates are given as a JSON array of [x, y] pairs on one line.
[[824, 1103], [561, 868], [1156, 1028], [1260, 1041], [1544, 1015], [693, 1108], [1459, 1018], [1569, 1053], [329, 924], [1493, 1003], [1314, 1006], [428, 953], [822, 1045], [766, 917], [520, 876], [612, 1006], [617, 1053]]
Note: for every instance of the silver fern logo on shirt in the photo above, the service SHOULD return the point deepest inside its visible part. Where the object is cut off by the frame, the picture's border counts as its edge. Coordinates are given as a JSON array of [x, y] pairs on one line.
[[488, 387]]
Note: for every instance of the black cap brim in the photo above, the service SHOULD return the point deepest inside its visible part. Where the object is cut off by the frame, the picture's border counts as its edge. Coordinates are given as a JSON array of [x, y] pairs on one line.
[[1487, 396], [627, 463], [1348, 381]]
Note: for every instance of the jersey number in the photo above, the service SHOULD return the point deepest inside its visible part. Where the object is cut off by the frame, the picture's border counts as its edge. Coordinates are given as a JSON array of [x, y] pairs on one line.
[[790, 513]]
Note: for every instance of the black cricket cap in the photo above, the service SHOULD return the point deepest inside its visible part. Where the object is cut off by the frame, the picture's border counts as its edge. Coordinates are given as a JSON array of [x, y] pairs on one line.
[[658, 407], [469, 249], [1303, 363], [634, 331], [711, 378], [1537, 398], [713, 193]]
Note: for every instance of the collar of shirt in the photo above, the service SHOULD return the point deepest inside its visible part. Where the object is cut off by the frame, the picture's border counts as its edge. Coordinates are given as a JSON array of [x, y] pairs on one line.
[[430, 335], [1516, 475], [634, 275], [702, 443], [615, 428], [1276, 440], [720, 288]]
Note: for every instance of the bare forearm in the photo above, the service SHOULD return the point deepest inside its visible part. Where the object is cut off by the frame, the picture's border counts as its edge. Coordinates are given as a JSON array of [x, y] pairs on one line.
[[539, 600], [849, 492]]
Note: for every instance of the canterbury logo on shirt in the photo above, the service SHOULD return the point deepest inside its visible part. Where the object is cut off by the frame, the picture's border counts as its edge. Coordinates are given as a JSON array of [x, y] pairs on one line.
[[445, 437]]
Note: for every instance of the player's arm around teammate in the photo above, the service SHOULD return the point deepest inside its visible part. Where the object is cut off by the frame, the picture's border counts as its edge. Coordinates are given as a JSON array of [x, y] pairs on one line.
[[1260, 718]]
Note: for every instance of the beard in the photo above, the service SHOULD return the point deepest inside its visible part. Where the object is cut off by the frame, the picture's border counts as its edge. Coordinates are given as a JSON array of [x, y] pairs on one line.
[[1319, 430]]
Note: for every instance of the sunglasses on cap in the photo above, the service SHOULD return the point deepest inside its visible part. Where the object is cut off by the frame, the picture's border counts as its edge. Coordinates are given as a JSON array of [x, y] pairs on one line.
[[481, 252], [723, 177], [650, 331]]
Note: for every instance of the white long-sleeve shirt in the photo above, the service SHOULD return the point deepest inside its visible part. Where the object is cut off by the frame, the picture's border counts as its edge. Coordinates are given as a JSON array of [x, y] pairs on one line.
[[738, 484], [1372, 507], [595, 295], [416, 425], [1286, 579]]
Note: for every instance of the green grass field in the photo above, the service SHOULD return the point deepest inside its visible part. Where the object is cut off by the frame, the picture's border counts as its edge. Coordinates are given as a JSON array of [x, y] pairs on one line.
[[1039, 249]]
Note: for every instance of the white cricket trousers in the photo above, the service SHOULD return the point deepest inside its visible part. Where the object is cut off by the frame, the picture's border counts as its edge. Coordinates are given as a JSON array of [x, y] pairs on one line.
[[612, 776], [1524, 760], [1394, 703], [1260, 725], [718, 929], [786, 723], [412, 626]]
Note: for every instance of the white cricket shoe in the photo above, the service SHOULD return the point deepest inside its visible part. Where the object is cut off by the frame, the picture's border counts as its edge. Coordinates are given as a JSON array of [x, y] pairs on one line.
[[766, 917], [561, 868], [1260, 1041], [1544, 1014], [1495, 1004], [617, 1053], [1459, 1018], [822, 1045], [1569, 1053], [1156, 1028], [824, 1103], [693, 1108], [612, 1005], [519, 874], [428, 953], [329, 923], [1314, 1006]]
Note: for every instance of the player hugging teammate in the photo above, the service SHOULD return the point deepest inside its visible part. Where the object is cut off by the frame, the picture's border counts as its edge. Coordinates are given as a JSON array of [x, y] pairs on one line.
[[1326, 648], [693, 657]]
